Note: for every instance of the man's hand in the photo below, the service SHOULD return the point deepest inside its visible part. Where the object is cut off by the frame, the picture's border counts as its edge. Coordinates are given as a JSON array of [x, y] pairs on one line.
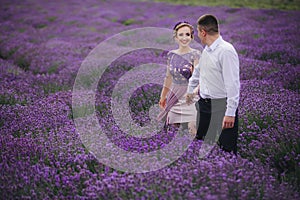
[[192, 69], [189, 98], [228, 122]]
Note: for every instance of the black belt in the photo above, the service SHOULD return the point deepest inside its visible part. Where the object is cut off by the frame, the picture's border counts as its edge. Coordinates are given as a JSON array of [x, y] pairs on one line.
[[206, 100]]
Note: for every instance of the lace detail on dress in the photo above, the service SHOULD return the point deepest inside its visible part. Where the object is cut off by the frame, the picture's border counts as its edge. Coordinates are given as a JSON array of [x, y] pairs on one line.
[[180, 67]]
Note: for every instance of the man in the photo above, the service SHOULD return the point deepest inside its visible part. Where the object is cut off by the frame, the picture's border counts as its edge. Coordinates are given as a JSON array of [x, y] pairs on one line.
[[218, 76]]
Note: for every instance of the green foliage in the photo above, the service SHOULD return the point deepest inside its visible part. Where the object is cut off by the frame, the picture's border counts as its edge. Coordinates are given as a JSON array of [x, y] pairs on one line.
[[281, 57], [93, 29], [141, 101], [1, 122], [23, 63], [283, 151], [286, 162], [128, 22], [40, 26], [53, 87], [261, 123], [83, 111], [5, 55], [21, 30], [293, 85], [10, 100], [256, 4], [52, 18], [53, 68]]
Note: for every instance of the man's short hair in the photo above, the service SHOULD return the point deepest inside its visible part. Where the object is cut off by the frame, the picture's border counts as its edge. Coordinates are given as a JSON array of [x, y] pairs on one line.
[[209, 23]]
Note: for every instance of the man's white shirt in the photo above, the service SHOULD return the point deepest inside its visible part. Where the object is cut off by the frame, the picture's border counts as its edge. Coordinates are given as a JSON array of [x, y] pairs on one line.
[[218, 74]]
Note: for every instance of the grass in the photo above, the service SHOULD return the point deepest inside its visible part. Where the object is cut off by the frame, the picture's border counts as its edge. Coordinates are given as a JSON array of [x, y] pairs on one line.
[[255, 4], [128, 22], [52, 87], [286, 163], [53, 68], [10, 100], [23, 63]]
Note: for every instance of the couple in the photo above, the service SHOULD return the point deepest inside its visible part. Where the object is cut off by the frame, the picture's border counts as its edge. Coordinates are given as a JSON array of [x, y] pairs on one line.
[[201, 90]]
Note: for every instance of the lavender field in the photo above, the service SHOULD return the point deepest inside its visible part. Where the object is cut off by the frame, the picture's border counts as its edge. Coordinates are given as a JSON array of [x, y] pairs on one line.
[[43, 156]]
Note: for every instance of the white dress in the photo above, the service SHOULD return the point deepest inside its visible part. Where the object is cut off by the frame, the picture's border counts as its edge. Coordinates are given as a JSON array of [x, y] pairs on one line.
[[177, 110]]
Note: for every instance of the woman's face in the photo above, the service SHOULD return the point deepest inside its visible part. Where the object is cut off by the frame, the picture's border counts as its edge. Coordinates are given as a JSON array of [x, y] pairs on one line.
[[184, 36]]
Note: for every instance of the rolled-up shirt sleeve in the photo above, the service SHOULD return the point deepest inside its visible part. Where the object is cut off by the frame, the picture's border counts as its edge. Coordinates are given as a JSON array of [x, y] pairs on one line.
[[230, 69]]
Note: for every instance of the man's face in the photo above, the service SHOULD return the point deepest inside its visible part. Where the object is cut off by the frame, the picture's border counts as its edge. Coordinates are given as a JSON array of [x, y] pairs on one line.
[[201, 34]]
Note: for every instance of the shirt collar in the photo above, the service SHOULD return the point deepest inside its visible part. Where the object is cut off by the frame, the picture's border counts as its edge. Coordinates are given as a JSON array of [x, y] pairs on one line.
[[214, 45]]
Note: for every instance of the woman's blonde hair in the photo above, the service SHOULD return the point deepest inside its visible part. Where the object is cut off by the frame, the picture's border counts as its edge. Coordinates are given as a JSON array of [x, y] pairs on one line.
[[179, 25]]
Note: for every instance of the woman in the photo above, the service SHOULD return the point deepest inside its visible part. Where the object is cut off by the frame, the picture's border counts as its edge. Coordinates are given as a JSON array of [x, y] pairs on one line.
[[180, 64]]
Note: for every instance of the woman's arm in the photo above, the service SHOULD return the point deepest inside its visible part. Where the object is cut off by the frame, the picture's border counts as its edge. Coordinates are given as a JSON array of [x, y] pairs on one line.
[[166, 86], [165, 90]]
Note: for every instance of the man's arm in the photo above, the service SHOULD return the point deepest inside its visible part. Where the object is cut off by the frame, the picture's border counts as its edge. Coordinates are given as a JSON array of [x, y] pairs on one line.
[[193, 84], [230, 69]]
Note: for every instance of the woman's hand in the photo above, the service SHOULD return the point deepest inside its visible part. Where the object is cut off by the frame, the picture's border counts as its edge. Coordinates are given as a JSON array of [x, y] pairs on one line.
[[162, 103]]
